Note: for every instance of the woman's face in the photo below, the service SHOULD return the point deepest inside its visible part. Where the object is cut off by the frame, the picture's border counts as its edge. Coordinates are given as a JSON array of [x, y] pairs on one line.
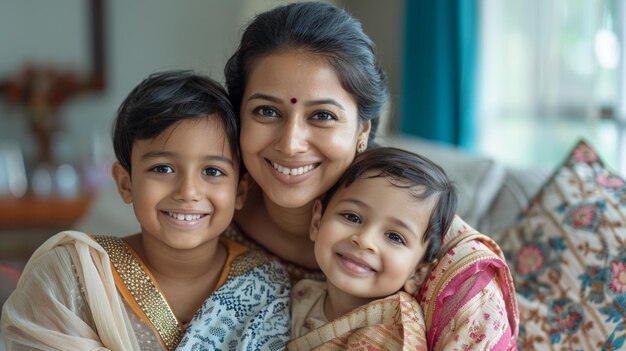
[[299, 127]]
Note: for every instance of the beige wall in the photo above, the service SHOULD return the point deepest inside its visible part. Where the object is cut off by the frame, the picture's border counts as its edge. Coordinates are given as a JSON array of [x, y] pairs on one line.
[[383, 21], [143, 37]]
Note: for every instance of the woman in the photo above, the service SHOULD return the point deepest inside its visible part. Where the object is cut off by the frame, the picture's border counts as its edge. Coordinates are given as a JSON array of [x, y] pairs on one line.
[[301, 121], [310, 93]]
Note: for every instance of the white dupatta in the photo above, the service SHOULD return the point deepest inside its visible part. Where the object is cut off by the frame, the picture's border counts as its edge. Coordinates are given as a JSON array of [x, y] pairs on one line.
[[67, 300]]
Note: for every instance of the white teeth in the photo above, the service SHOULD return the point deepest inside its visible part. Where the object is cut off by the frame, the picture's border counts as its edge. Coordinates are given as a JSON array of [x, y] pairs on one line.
[[184, 217], [292, 171]]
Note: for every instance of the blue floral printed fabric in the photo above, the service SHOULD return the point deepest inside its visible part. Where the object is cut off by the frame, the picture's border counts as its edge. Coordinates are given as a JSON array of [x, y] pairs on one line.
[[249, 312], [568, 258]]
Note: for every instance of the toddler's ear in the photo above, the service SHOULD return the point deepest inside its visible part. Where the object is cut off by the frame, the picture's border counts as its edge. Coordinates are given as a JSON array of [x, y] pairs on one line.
[[414, 283], [316, 219], [123, 182], [242, 191]]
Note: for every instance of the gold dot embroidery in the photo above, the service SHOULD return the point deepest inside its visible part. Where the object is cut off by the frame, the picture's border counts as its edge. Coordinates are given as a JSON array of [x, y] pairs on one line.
[[295, 272], [148, 297]]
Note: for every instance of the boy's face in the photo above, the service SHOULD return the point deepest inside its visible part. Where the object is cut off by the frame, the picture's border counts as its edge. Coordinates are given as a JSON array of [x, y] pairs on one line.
[[183, 184], [369, 240]]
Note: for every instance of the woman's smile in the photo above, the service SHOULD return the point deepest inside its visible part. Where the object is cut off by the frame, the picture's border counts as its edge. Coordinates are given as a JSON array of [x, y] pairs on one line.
[[305, 145], [286, 170]]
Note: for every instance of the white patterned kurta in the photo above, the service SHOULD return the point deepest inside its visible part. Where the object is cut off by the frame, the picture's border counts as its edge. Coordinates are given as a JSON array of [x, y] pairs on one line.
[[249, 312]]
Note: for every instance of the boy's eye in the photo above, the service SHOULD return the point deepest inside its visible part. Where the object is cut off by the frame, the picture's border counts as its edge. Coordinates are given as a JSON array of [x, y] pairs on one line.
[[266, 111], [213, 172], [395, 237], [352, 217], [324, 116], [162, 169]]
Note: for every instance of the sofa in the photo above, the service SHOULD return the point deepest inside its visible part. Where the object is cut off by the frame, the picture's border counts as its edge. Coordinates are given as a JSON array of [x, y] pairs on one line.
[[540, 233]]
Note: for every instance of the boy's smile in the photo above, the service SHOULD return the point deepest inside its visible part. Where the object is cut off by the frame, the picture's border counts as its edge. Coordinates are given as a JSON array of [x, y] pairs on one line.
[[183, 184], [185, 219]]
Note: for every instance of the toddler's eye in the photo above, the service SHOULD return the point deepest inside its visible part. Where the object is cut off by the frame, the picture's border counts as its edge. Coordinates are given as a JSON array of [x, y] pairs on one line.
[[352, 217], [213, 172], [266, 111], [162, 169], [395, 237]]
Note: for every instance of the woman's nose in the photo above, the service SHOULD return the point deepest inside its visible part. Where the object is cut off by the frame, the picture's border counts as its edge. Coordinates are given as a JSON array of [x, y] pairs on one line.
[[293, 137]]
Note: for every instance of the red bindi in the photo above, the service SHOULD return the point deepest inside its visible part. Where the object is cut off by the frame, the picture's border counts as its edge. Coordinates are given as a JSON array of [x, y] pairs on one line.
[[294, 100]]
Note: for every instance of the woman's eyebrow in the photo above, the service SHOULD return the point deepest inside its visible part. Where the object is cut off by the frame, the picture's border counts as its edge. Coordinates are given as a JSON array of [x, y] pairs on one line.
[[278, 100], [265, 97], [324, 102]]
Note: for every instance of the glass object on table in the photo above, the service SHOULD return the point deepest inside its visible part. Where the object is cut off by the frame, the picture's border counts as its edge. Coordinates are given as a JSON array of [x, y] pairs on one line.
[[13, 180]]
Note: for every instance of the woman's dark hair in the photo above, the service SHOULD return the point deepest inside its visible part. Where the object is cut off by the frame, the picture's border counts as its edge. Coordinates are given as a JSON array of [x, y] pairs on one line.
[[321, 29], [166, 98], [421, 177]]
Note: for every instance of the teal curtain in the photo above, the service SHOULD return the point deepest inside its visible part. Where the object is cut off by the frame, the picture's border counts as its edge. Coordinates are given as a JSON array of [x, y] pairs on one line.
[[439, 70]]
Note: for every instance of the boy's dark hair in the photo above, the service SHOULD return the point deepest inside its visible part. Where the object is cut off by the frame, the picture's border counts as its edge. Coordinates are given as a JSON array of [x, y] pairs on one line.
[[168, 97], [321, 29], [421, 177]]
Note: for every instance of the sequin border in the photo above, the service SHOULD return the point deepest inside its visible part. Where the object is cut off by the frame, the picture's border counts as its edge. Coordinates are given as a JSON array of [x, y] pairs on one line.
[[295, 272], [147, 296]]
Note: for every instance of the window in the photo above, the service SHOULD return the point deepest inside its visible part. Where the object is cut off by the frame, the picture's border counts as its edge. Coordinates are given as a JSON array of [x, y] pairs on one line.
[[549, 74]]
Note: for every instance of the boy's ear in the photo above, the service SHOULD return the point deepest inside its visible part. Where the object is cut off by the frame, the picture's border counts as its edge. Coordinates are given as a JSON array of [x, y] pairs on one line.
[[414, 283], [316, 219], [122, 180], [242, 191]]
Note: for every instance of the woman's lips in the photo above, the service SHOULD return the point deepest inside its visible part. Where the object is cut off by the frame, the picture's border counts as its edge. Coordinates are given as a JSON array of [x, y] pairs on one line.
[[299, 170], [292, 174]]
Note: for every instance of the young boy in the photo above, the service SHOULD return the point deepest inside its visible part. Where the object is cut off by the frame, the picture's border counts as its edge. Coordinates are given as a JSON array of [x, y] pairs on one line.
[[176, 140], [376, 231]]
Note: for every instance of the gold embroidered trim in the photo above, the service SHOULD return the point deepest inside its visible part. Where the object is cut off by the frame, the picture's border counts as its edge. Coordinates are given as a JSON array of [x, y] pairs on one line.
[[295, 272], [148, 297], [245, 262]]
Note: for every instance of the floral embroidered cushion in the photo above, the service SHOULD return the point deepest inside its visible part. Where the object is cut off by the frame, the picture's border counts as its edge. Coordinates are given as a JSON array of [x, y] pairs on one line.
[[568, 258]]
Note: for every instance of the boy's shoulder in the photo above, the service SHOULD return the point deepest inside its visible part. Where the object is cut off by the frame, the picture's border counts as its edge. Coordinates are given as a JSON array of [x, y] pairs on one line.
[[63, 243]]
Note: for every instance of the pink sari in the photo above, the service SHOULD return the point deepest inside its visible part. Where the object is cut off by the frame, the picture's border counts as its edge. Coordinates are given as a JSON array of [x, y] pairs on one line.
[[468, 299]]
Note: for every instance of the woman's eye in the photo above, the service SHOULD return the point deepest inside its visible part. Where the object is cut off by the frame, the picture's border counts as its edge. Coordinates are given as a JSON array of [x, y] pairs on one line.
[[266, 111], [395, 237], [162, 169], [324, 116], [213, 172], [354, 218]]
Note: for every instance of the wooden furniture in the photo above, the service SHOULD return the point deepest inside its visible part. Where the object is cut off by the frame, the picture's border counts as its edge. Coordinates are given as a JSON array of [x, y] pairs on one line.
[[42, 213]]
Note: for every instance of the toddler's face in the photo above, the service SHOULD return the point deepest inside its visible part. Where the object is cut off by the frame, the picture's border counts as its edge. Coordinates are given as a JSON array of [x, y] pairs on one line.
[[183, 183], [369, 240]]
